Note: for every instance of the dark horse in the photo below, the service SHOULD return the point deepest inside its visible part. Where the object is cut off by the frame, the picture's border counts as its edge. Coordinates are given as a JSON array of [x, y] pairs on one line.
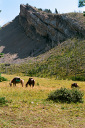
[[31, 81], [16, 80], [74, 85]]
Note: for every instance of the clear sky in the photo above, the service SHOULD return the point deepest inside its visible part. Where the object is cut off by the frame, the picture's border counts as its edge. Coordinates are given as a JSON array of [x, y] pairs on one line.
[[11, 8]]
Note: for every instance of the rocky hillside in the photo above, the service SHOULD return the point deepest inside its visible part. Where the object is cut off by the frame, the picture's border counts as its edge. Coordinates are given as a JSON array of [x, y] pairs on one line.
[[34, 32], [53, 27]]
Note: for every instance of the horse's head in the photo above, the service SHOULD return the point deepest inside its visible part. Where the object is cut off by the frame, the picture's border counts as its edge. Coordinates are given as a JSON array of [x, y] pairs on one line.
[[10, 84]]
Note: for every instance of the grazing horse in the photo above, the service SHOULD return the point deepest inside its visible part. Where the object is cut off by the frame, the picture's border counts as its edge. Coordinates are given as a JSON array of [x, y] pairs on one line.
[[16, 80], [74, 85], [31, 81]]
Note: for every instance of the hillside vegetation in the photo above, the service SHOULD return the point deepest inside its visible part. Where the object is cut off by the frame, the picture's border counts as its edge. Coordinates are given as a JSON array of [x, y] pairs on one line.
[[64, 61]]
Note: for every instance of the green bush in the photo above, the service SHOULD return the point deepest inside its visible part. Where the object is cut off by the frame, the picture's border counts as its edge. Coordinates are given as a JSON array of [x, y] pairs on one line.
[[83, 13], [66, 95], [3, 101], [1, 55], [78, 78], [47, 11], [2, 79], [40, 9]]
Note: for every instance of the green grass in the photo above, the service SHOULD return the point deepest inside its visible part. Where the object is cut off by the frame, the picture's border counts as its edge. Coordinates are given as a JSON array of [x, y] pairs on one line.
[[27, 107]]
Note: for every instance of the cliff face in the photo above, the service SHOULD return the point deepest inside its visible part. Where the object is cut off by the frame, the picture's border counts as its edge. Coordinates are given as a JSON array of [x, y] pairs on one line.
[[53, 27]]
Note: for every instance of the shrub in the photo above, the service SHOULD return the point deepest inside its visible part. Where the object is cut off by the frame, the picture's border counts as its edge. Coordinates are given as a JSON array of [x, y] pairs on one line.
[[2, 101], [1, 55], [66, 95], [83, 13], [37, 84], [78, 78], [27, 6], [47, 11], [40, 9], [2, 79]]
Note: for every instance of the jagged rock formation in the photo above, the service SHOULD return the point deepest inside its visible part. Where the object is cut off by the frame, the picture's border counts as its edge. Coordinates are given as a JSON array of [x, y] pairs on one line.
[[34, 32], [54, 27]]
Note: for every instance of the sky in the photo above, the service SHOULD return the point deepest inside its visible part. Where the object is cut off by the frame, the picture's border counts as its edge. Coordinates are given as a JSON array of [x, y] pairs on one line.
[[11, 8]]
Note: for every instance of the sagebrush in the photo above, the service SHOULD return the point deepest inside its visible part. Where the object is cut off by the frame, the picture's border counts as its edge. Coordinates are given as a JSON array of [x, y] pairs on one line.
[[2, 79], [66, 95], [2, 101]]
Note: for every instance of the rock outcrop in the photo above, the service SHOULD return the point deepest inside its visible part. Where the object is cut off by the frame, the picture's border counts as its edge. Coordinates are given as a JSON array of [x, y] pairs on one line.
[[53, 27]]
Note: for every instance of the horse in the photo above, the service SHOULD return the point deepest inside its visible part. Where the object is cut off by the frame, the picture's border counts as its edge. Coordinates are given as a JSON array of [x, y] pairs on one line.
[[31, 81], [16, 80], [74, 85]]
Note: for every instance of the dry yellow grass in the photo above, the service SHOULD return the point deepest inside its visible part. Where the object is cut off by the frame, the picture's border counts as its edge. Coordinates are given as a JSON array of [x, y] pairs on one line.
[[28, 108]]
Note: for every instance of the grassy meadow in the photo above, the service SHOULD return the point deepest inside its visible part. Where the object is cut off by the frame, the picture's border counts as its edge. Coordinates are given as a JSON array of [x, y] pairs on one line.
[[28, 107]]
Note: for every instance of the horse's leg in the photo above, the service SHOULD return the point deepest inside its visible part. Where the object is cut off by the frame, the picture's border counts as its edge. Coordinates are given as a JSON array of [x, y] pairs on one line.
[[26, 85], [22, 84], [14, 84], [30, 85], [33, 84]]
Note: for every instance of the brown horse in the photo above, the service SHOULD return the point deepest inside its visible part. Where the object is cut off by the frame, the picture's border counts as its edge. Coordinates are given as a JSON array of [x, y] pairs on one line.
[[16, 80], [74, 85], [31, 81]]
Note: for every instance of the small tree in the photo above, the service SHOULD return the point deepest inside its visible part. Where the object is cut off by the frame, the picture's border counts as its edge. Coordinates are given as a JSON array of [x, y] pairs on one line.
[[48, 11], [40, 9], [56, 11], [81, 3], [27, 6], [83, 13]]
